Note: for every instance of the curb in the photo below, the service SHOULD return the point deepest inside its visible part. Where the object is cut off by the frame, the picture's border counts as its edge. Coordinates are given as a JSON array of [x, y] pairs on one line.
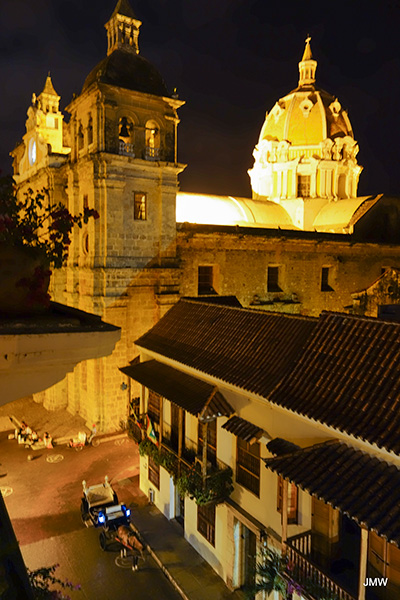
[[163, 568]]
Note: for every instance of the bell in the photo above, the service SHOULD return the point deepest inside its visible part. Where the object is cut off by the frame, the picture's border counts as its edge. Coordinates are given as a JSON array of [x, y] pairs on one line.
[[124, 130]]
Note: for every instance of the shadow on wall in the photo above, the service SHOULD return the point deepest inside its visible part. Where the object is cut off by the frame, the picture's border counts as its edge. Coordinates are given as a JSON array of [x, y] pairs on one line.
[[207, 555]]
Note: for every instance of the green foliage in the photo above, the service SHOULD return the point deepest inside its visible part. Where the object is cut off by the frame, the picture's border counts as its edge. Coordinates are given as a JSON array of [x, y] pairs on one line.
[[274, 573], [35, 223], [43, 580], [190, 482]]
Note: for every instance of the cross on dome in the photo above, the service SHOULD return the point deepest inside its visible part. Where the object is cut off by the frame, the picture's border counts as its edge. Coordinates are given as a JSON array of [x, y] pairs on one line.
[[307, 65]]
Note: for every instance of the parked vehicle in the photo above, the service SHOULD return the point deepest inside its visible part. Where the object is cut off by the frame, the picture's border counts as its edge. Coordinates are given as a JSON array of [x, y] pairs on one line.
[[100, 507]]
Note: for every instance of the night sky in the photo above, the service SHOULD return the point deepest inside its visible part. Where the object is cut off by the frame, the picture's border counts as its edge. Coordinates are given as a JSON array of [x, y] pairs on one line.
[[230, 60]]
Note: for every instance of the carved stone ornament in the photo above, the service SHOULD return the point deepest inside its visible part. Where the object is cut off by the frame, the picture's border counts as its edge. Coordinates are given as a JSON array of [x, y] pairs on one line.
[[277, 111], [335, 108], [337, 149], [326, 149], [306, 106], [283, 151]]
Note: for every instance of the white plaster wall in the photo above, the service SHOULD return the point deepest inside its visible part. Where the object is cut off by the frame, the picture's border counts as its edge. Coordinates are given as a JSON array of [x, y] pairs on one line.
[[215, 556]]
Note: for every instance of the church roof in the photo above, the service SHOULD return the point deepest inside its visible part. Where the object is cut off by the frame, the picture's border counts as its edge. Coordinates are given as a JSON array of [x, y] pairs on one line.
[[123, 8], [49, 87], [307, 115], [128, 70], [341, 215], [209, 209]]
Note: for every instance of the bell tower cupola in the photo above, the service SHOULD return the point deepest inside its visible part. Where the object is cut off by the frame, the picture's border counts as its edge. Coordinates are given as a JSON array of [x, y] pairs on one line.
[[123, 29], [307, 66]]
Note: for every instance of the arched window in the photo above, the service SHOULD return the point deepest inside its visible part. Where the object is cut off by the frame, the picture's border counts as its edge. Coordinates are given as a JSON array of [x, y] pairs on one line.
[[90, 130], [126, 136], [152, 149], [80, 137]]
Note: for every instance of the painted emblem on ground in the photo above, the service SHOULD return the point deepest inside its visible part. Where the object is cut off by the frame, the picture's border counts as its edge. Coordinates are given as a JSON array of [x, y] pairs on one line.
[[6, 490], [124, 562], [121, 442], [55, 458]]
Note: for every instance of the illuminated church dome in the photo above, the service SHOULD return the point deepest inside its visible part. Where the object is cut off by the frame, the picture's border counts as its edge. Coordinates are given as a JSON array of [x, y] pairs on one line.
[[306, 153]]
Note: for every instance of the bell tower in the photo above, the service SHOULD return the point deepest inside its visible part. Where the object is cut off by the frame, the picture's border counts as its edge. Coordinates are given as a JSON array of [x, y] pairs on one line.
[[123, 29], [123, 163]]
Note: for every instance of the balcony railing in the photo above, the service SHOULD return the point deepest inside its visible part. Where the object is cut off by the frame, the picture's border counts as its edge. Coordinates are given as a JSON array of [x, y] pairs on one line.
[[126, 149], [310, 576], [152, 153]]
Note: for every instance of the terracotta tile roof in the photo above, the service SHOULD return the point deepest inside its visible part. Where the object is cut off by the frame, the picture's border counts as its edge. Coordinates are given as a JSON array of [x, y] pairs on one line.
[[194, 395], [247, 348], [243, 429], [336, 473], [348, 377], [279, 446]]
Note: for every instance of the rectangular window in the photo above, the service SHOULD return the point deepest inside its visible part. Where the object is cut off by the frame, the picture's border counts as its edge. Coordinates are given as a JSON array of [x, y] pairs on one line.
[[248, 465], [303, 186], [153, 406], [292, 500], [206, 522], [140, 206], [154, 473], [85, 201], [211, 440], [325, 277], [205, 280], [273, 280], [153, 410]]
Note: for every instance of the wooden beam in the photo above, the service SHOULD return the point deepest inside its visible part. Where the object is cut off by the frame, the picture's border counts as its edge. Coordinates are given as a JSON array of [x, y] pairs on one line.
[[180, 432], [204, 461], [284, 516], [363, 563]]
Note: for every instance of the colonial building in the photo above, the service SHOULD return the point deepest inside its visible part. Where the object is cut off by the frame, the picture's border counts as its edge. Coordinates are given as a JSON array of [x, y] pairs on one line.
[[303, 243], [303, 414]]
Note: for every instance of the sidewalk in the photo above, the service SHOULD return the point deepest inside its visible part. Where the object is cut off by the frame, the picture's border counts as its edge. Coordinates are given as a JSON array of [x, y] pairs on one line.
[[191, 575]]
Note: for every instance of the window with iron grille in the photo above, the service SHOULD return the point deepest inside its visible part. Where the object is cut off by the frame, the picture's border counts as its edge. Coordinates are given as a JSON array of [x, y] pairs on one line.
[[154, 473], [303, 186], [205, 279], [153, 410], [292, 500], [153, 406], [206, 522], [273, 280], [325, 276], [211, 440], [140, 206], [248, 465]]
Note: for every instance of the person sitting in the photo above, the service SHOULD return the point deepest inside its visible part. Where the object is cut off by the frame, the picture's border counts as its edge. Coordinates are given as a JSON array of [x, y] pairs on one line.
[[34, 437], [27, 433], [47, 439]]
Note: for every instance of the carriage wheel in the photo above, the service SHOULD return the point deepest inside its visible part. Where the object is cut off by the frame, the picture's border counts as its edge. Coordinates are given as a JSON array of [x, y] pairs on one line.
[[85, 514], [95, 442]]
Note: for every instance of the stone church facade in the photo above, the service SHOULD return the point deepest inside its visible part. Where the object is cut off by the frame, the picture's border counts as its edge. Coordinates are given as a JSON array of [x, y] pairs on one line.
[[304, 242]]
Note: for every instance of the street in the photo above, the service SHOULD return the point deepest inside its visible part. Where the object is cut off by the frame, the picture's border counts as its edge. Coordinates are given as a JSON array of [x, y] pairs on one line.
[[43, 496]]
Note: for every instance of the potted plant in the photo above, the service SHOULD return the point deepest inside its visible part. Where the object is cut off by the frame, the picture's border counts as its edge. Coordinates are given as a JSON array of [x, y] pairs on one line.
[[34, 236]]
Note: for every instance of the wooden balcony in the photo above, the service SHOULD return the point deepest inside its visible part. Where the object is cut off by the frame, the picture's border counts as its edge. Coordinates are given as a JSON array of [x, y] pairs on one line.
[[307, 573]]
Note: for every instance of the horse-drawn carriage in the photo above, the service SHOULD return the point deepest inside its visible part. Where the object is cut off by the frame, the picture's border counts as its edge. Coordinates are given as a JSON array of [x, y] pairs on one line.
[[100, 507]]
